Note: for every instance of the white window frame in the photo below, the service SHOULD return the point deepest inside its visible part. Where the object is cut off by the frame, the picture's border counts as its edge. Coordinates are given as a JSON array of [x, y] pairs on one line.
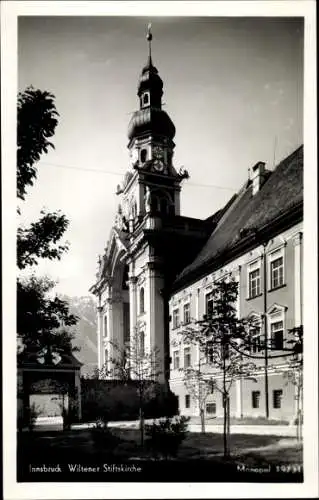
[[251, 267], [141, 152], [105, 325], [187, 407], [148, 99], [279, 314], [176, 355], [280, 399], [187, 304], [141, 343], [189, 353], [207, 293], [177, 325], [279, 330], [274, 255], [257, 406], [211, 403], [140, 310]]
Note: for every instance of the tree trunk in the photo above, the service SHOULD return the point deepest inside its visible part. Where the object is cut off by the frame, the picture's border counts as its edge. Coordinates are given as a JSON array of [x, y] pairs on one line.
[[228, 422], [224, 403], [225, 425], [142, 427], [202, 420]]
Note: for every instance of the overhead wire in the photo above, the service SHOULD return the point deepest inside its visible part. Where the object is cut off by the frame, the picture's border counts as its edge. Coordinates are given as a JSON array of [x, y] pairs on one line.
[[102, 171]]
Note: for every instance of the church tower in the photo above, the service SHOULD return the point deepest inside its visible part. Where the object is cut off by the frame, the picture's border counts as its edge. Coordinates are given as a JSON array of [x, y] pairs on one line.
[[150, 242]]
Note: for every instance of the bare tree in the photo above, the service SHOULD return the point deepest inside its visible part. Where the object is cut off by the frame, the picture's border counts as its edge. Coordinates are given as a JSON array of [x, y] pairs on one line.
[[199, 386], [137, 363], [216, 335]]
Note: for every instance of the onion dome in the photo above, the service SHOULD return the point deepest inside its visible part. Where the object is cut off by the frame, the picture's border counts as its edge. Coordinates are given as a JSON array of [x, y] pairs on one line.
[[150, 118], [154, 121], [150, 80]]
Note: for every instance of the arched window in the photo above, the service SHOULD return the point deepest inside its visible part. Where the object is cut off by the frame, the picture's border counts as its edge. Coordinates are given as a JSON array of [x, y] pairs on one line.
[[142, 301], [142, 344], [125, 278], [171, 209], [143, 155], [164, 206], [146, 99], [105, 326]]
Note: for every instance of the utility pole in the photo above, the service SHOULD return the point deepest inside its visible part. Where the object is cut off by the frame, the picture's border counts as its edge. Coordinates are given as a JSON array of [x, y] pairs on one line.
[[265, 332]]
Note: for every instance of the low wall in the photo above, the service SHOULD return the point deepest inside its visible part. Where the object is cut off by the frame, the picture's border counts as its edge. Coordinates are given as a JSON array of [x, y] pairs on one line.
[[118, 400]]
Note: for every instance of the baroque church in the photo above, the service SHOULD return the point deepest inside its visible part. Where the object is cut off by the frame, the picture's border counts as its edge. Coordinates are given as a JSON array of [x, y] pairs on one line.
[[159, 267]]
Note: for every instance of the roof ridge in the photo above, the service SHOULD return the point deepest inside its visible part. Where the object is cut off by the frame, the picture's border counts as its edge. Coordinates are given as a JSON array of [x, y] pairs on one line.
[[266, 206]]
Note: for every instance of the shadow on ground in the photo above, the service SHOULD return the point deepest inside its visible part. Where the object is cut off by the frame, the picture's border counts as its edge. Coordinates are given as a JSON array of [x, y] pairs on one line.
[[200, 458]]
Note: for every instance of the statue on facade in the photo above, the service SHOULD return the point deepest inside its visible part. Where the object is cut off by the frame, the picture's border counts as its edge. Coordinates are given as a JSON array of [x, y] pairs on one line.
[[147, 199], [183, 173]]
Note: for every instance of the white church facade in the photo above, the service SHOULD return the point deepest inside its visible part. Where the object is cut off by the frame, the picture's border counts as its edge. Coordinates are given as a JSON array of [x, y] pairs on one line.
[[159, 267]]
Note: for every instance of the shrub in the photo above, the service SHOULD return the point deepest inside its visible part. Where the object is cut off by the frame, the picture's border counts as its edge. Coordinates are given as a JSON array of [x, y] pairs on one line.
[[102, 436], [118, 400], [166, 436]]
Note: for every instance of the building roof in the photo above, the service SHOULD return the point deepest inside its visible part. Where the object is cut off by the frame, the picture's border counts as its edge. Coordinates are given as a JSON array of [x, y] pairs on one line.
[[281, 192], [64, 361]]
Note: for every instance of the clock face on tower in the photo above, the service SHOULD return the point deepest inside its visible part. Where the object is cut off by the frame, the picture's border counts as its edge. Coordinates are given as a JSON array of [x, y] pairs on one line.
[[159, 165]]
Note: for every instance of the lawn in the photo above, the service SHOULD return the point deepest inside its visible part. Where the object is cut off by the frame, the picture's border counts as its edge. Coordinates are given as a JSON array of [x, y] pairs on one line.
[[240, 421], [200, 457]]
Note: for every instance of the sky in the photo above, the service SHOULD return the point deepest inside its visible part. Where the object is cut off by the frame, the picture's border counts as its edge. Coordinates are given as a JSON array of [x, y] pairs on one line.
[[232, 86]]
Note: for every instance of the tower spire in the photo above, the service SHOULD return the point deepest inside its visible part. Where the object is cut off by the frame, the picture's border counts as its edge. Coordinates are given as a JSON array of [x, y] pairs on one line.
[[149, 38]]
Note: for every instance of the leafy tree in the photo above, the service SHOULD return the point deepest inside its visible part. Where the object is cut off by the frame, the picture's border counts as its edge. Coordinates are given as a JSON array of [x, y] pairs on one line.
[[40, 240], [37, 120], [134, 362], [42, 321], [216, 335]]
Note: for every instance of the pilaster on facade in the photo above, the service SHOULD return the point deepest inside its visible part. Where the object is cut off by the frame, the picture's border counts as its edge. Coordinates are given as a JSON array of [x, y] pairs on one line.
[[100, 337], [297, 243], [133, 307], [155, 314]]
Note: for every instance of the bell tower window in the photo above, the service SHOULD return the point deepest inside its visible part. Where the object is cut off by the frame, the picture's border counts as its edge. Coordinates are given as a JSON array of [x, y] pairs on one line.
[[143, 155], [145, 99]]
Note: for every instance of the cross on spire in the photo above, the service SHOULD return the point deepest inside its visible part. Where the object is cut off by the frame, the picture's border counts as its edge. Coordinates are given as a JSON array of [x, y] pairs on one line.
[[149, 38]]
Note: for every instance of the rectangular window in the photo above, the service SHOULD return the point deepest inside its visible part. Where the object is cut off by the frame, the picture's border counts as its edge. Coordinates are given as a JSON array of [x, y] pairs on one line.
[[254, 283], [175, 318], [187, 401], [209, 352], [277, 272], [255, 340], [277, 335], [187, 313], [105, 326], [211, 408], [209, 303], [176, 360], [187, 357], [255, 399], [276, 398]]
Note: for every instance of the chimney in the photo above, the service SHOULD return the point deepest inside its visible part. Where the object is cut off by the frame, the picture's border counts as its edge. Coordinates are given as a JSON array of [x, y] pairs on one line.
[[258, 176]]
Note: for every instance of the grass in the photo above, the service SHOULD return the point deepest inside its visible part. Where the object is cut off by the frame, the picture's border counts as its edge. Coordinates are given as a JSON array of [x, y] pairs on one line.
[[78, 444]]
